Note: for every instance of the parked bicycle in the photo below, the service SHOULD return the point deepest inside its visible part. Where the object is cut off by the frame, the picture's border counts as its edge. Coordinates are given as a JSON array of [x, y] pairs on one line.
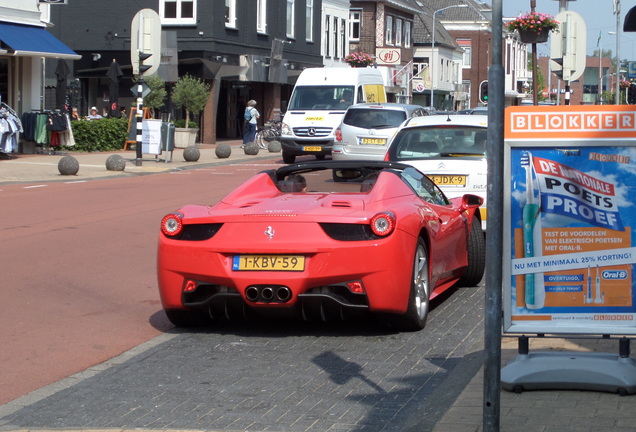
[[269, 132]]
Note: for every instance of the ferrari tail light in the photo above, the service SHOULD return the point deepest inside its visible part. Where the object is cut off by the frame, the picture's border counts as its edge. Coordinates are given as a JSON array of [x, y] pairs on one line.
[[338, 135], [190, 286], [356, 287], [172, 224], [383, 224]]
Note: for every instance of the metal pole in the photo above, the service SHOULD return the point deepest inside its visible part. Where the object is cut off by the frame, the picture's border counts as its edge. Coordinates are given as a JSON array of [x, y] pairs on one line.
[[139, 119], [494, 240], [433, 61], [617, 11], [535, 95], [600, 69]]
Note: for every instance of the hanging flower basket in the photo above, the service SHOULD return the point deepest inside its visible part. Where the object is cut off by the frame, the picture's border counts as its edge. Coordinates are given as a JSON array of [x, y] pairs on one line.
[[528, 36], [533, 27], [358, 59]]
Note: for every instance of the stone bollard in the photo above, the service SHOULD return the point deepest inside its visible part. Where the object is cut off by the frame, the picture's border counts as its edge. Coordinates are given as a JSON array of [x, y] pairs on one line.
[[115, 163], [223, 150], [274, 146], [191, 154], [251, 148], [68, 165]]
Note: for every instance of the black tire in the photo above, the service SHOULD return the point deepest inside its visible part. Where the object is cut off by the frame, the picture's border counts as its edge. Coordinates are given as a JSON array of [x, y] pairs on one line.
[[476, 256], [187, 318], [288, 159], [419, 292]]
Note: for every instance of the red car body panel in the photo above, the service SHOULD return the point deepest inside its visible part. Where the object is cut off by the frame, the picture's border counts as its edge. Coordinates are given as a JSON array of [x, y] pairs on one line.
[[257, 218]]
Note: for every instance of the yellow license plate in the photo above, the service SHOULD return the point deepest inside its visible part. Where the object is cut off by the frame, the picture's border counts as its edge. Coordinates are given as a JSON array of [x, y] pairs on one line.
[[374, 141], [449, 180], [312, 148], [269, 262]]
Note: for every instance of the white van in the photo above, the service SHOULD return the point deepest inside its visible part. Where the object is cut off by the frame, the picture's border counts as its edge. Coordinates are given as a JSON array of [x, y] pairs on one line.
[[317, 104]]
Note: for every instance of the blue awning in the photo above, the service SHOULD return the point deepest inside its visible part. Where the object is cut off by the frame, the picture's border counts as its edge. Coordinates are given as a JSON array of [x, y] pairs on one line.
[[25, 40]]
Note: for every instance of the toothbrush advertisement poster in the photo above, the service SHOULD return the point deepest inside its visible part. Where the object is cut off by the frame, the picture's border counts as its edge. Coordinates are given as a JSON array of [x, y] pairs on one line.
[[569, 218]]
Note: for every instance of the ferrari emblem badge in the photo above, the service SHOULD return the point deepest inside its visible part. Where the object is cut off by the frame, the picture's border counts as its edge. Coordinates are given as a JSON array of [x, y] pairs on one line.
[[269, 232]]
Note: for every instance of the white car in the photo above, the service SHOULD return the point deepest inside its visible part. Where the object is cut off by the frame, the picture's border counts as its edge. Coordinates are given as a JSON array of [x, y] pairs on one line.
[[366, 129], [450, 149]]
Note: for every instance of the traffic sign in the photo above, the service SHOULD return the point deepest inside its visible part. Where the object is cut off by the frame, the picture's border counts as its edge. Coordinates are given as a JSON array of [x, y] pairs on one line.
[[145, 90], [145, 42], [567, 47]]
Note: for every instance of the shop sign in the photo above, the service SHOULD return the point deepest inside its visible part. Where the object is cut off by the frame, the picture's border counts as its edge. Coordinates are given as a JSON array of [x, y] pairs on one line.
[[388, 56]]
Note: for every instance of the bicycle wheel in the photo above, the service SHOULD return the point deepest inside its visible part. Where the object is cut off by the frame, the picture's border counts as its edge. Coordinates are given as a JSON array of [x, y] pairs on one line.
[[260, 142], [270, 135]]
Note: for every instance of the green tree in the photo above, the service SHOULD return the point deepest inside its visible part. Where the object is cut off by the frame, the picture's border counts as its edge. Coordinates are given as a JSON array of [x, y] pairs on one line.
[[192, 94], [157, 95]]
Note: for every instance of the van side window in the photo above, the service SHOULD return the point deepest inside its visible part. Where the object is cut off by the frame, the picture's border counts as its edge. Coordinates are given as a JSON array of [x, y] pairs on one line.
[[360, 95]]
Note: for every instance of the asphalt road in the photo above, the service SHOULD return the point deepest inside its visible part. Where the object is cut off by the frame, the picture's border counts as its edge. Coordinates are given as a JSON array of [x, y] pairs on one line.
[[80, 259]]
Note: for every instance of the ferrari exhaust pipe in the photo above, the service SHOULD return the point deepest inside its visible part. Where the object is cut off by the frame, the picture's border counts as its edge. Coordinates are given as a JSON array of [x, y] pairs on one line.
[[267, 293], [283, 294], [251, 293]]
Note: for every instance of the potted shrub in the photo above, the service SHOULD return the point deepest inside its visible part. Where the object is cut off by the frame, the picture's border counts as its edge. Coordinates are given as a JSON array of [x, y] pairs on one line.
[[533, 27], [192, 94]]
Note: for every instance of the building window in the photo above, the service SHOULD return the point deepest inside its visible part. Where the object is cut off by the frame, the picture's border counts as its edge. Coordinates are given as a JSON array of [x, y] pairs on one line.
[[466, 45], [342, 39], [398, 32], [389, 30], [261, 16], [327, 42], [355, 23], [407, 34], [309, 20], [177, 11], [290, 19], [230, 13]]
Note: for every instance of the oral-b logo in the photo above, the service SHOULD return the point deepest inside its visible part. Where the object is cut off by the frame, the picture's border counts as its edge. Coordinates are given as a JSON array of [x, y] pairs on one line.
[[614, 274]]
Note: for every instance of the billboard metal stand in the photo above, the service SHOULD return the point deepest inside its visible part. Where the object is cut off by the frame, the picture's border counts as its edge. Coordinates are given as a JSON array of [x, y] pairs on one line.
[[607, 372]]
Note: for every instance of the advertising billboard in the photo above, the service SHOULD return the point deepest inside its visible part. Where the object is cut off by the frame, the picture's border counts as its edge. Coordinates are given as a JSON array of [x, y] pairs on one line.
[[569, 220]]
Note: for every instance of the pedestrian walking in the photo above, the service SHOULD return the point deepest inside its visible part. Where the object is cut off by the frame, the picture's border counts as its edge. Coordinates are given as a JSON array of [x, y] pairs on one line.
[[251, 116]]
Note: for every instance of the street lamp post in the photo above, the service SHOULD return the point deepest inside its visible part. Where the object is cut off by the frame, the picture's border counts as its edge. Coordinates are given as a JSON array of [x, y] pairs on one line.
[[433, 68], [617, 12]]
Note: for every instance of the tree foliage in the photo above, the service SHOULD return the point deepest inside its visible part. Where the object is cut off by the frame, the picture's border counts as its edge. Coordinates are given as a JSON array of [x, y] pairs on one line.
[[190, 93], [157, 95]]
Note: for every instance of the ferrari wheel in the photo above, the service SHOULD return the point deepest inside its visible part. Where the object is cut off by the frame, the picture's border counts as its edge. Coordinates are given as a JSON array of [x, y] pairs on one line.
[[186, 318], [476, 256], [419, 298]]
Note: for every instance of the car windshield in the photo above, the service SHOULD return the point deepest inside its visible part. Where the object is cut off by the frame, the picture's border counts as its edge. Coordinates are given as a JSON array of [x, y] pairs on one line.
[[439, 141], [373, 118], [321, 97]]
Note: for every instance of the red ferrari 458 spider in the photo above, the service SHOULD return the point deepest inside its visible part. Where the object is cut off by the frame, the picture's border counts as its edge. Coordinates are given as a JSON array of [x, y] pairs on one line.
[[384, 239]]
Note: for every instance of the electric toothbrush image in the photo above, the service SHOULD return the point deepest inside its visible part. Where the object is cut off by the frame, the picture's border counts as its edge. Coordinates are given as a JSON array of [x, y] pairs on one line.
[[532, 242], [598, 299]]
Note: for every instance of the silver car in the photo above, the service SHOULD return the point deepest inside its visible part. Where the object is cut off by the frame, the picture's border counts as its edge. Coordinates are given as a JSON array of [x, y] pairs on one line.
[[366, 129]]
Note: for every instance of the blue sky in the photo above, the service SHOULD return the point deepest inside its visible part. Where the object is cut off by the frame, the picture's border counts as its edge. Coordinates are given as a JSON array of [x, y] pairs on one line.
[[598, 16]]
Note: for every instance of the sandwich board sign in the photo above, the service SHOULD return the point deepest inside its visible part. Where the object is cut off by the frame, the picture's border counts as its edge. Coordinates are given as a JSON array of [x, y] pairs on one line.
[[570, 240]]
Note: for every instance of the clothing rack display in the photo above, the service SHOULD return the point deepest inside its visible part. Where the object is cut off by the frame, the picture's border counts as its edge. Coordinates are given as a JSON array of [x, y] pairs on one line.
[[10, 129]]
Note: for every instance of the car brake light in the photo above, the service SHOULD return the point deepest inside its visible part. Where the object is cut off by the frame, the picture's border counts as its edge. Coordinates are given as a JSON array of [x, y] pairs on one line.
[[338, 135], [172, 224], [190, 286], [383, 224], [356, 287]]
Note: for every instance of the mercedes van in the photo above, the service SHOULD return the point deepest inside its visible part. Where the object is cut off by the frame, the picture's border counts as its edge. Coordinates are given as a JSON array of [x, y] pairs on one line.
[[318, 103]]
